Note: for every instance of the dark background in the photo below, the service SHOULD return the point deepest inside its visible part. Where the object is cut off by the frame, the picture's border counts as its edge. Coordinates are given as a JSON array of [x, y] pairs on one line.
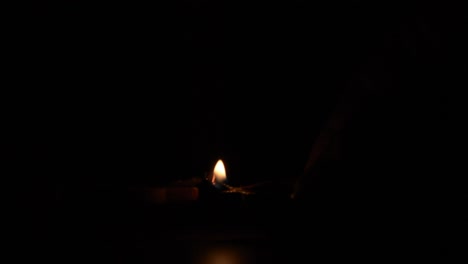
[[155, 87], [111, 95]]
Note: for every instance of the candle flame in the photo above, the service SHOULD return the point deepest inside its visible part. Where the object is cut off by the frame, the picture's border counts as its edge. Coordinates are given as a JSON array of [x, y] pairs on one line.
[[219, 173]]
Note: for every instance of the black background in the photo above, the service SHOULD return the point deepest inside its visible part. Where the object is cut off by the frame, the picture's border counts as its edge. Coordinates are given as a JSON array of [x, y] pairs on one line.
[[154, 87], [110, 95]]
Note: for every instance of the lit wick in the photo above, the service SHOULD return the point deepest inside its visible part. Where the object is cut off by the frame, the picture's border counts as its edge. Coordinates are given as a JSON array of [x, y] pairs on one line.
[[219, 177], [219, 173]]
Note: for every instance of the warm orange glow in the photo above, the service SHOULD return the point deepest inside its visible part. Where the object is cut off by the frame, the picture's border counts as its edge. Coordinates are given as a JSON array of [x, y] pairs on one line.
[[219, 173], [223, 255]]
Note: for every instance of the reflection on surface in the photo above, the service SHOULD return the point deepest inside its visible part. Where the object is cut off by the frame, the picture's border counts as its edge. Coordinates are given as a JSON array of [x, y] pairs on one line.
[[223, 255]]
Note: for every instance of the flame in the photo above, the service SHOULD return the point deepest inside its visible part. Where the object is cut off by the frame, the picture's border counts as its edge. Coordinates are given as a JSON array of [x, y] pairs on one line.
[[219, 173]]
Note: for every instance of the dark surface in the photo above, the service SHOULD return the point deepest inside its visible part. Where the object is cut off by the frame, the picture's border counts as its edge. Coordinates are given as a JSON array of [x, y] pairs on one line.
[[261, 233]]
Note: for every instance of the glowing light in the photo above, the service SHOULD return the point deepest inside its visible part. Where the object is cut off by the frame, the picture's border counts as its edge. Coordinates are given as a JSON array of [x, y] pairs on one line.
[[219, 172], [223, 255]]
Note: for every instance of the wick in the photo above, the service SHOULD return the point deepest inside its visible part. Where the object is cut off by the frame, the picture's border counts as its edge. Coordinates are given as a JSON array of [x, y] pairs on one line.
[[231, 189]]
